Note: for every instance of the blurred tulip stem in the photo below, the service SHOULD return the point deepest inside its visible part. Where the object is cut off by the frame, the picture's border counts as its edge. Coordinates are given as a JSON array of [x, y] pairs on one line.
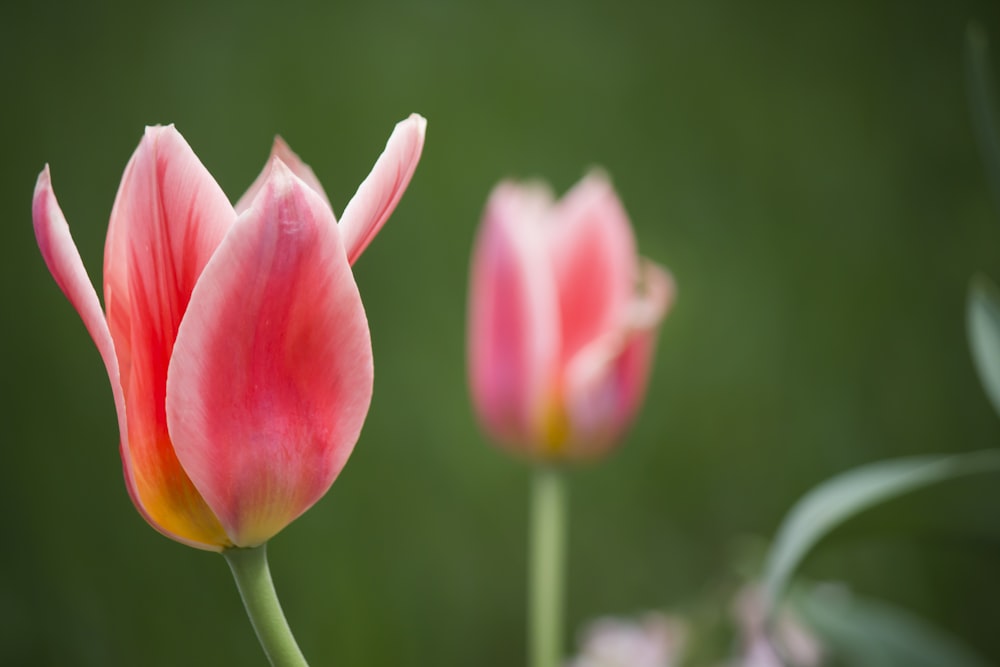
[[547, 563], [253, 578]]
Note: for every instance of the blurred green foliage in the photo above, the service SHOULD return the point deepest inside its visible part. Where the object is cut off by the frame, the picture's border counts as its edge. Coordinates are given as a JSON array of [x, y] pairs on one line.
[[808, 172]]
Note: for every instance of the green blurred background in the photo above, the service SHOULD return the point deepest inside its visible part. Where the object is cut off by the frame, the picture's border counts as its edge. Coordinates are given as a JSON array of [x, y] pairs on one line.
[[808, 171]]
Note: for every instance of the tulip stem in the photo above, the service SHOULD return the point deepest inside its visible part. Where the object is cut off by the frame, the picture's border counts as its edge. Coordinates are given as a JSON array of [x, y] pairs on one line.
[[547, 563], [253, 579]]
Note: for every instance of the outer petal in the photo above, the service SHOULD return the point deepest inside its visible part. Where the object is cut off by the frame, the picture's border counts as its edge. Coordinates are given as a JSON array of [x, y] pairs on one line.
[[594, 252], [606, 381], [283, 152], [513, 320], [272, 370], [379, 193], [168, 218], [63, 260]]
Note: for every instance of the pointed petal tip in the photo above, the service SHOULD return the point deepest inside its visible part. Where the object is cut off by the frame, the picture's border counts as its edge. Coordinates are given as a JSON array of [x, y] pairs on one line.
[[154, 131], [280, 148], [659, 294], [598, 175], [418, 121], [380, 192], [282, 151], [596, 185], [285, 177], [43, 182]]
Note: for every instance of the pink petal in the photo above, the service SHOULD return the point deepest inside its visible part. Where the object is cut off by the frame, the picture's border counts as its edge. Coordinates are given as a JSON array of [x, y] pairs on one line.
[[606, 381], [282, 151], [272, 370], [64, 263], [63, 260], [168, 218], [513, 322], [379, 193], [595, 258]]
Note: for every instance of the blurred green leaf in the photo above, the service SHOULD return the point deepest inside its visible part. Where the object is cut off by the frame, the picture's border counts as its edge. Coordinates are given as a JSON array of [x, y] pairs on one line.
[[983, 316], [838, 499], [982, 101], [871, 633]]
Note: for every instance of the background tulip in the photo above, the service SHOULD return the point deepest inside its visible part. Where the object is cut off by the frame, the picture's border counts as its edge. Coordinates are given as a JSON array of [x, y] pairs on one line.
[[237, 346], [563, 318]]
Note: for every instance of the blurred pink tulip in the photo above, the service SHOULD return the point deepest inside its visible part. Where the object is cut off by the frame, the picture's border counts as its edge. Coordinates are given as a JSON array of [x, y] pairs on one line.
[[235, 340], [563, 319]]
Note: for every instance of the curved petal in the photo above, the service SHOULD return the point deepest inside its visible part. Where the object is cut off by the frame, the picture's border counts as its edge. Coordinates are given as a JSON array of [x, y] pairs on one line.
[[168, 218], [64, 263], [283, 152], [593, 249], [272, 370], [513, 324], [379, 193], [606, 381]]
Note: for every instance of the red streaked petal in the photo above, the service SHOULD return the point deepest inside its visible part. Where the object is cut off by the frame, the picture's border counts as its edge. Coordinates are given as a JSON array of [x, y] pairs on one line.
[[168, 218], [67, 268], [513, 320], [606, 381], [272, 370], [593, 249], [379, 193], [283, 152]]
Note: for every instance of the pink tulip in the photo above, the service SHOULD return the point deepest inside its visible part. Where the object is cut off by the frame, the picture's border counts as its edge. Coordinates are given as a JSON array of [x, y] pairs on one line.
[[235, 339], [563, 319]]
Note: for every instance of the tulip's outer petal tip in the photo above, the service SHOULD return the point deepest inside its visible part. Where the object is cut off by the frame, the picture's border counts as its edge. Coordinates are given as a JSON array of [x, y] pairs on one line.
[[419, 121], [42, 184], [598, 175], [659, 294], [154, 132], [280, 149], [380, 192]]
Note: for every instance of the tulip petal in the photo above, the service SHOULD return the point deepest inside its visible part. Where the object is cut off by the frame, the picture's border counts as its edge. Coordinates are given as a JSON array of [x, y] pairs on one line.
[[168, 218], [594, 252], [64, 263], [513, 320], [379, 193], [271, 376], [283, 152], [606, 381]]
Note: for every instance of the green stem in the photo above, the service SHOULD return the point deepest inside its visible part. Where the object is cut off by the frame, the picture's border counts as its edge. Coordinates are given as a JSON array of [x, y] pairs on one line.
[[547, 567], [253, 579]]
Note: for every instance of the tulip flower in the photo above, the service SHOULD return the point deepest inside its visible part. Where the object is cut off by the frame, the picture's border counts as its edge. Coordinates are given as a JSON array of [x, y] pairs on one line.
[[563, 317], [234, 337]]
